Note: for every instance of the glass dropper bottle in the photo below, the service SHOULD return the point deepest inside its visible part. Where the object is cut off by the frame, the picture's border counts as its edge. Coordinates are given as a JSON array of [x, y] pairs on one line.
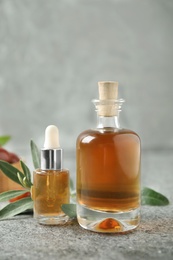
[[51, 182]]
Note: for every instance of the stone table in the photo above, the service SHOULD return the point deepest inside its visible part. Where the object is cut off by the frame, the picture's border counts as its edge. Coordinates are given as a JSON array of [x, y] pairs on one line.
[[22, 238]]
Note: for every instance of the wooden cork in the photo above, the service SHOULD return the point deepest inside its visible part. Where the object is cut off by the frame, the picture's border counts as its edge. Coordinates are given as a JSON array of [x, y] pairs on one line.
[[108, 90], [108, 94]]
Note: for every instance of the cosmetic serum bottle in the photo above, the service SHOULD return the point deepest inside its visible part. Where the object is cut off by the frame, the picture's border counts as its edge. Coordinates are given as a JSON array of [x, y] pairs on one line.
[[51, 182], [108, 169]]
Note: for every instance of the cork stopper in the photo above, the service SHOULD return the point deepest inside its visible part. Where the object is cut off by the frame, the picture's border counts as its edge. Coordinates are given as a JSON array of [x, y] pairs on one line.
[[108, 90], [107, 105]]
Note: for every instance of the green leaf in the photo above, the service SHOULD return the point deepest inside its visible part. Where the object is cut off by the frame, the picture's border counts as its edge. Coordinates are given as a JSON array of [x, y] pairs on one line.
[[35, 154], [153, 198], [71, 184], [27, 173], [15, 208], [23, 181], [72, 191], [4, 139], [10, 171], [7, 195], [73, 196], [26, 183], [69, 210]]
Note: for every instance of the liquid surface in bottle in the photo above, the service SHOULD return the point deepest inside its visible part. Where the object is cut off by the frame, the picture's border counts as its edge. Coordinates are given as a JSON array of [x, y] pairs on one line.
[[51, 190], [108, 170]]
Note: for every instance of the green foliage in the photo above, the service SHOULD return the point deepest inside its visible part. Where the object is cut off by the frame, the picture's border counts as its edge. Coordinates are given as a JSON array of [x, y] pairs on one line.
[[153, 198], [4, 139], [7, 195], [69, 210], [10, 171], [35, 154], [15, 208]]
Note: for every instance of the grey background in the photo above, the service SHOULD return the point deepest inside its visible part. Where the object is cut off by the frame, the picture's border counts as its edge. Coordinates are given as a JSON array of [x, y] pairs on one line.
[[53, 53]]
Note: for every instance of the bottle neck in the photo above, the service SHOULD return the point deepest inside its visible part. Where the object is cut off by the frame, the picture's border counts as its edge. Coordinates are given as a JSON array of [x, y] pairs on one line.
[[108, 122], [108, 113]]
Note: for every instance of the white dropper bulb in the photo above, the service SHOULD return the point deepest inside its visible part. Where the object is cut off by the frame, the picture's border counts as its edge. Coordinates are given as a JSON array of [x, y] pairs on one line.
[[51, 137]]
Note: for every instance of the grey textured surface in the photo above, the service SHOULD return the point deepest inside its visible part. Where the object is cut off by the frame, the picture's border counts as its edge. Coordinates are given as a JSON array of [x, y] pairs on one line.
[[22, 238], [25, 239]]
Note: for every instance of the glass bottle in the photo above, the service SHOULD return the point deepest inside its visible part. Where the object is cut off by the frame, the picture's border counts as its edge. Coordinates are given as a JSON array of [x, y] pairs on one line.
[[108, 169], [50, 183]]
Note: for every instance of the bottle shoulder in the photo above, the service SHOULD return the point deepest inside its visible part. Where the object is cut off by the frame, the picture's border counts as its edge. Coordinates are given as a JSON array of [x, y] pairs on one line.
[[107, 134], [106, 131], [51, 172]]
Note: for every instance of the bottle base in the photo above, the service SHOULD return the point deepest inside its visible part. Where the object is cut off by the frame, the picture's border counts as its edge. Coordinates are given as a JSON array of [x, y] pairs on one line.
[[52, 220], [107, 222]]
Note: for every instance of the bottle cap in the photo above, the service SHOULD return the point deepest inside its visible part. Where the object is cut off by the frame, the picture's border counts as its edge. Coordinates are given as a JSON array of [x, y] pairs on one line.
[[51, 154], [108, 90], [108, 104], [51, 137]]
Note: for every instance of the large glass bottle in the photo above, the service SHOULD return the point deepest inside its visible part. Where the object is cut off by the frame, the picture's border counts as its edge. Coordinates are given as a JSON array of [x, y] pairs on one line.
[[108, 169]]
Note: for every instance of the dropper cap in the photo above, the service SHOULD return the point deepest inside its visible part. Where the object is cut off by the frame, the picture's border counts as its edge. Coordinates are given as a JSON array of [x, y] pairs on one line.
[[51, 154]]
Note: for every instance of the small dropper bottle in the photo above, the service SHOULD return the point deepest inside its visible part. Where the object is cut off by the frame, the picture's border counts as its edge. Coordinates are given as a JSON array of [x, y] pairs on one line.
[[51, 182]]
